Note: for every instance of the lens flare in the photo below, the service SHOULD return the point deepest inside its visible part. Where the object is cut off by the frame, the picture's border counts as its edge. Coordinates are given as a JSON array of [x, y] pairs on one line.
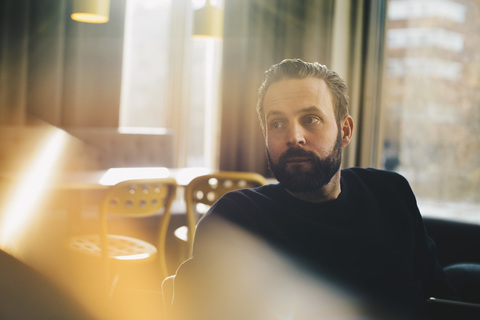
[[27, 194]]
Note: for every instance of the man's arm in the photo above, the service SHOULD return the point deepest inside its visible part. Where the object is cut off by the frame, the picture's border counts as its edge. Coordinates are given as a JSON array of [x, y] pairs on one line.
[[211, 284], [436, 282], [434, 279]]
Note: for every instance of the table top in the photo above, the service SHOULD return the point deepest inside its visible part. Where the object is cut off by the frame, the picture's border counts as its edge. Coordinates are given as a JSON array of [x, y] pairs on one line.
[[101, 179], [98, 180]]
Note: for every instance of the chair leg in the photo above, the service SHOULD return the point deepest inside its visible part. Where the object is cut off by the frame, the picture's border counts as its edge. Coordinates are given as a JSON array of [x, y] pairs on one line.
[[168, 293], [113, 285]]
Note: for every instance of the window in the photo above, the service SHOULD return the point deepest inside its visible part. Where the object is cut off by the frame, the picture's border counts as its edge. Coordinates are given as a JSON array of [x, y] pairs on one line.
[[145, 56], [431, 103], [170, 79]]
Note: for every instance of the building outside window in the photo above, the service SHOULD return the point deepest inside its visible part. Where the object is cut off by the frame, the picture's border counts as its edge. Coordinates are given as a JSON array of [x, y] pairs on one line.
[[431, 103]]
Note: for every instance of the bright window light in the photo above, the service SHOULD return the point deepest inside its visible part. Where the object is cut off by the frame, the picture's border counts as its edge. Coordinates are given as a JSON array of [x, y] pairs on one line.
[[116, 175]]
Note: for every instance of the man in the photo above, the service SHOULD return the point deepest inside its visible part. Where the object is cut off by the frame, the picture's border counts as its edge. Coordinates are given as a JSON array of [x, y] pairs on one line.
[[356, 233]]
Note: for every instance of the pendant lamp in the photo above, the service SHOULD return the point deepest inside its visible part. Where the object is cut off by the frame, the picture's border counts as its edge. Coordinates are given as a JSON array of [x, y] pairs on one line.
[[208, 19], [91, 11]]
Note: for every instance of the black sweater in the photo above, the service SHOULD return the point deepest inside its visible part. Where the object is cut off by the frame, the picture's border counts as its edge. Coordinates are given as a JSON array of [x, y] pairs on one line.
[[370, 240]]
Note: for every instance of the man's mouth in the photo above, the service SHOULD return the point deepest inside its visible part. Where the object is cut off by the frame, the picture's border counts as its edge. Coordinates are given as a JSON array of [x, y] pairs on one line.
[[294, 160]]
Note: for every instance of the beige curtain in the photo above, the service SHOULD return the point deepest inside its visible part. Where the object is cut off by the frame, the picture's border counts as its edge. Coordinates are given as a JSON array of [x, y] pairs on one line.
[[60, 71], [363, 73]]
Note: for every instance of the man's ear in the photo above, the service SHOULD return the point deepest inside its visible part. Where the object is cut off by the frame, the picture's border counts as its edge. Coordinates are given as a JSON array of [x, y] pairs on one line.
[[346, 125]]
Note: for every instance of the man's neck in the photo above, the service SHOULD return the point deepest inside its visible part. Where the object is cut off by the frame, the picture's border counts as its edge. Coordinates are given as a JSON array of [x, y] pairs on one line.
[[328, 192]]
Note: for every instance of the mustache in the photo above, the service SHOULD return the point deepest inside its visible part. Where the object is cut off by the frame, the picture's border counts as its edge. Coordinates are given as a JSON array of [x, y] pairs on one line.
[[296, 152]]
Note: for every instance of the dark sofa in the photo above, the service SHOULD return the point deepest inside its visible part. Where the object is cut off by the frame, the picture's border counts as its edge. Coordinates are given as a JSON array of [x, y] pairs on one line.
[[458, 250]]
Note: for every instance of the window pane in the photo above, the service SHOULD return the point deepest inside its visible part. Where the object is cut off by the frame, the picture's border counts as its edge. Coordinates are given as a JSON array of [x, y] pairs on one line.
[[431, 103], [171, 80], [203, 110], [146, 47]]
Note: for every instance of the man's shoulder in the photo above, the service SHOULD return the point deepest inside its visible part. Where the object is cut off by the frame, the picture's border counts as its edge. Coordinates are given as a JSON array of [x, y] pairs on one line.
[[375, 179], [241, 198], [266, 191], [371, 174], [245, 207]]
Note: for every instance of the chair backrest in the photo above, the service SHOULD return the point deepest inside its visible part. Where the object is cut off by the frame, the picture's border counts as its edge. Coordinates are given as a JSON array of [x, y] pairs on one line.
[[207, 189], [140, 198]]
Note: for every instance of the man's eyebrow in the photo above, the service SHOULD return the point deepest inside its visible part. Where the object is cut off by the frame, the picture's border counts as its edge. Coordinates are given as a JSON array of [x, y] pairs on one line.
[[310, 109], [273, 113]]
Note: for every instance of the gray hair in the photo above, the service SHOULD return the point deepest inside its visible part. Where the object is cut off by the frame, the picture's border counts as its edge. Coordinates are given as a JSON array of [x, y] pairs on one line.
[[298, 69]]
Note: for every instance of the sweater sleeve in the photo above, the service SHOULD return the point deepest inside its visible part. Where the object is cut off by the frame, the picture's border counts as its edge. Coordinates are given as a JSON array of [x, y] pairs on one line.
[[436, 283], [434, 279], [224, 276], [204, 286]]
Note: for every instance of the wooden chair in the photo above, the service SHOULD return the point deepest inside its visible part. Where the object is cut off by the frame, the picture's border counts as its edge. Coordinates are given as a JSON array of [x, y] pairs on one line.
[[203, 191], [130, 199]]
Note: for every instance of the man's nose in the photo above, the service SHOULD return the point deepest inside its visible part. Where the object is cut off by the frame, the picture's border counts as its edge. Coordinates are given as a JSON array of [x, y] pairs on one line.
[[296, 135]]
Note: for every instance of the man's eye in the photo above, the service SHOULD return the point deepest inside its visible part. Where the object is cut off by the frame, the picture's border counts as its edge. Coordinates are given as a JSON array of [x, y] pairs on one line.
[[311, 120], [276, 124]]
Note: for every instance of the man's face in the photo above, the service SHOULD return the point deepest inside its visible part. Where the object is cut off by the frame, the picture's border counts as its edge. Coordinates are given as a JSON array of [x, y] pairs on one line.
[[304, 143]]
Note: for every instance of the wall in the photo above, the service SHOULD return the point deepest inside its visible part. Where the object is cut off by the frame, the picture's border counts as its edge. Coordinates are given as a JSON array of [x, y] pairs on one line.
[[64, 72]]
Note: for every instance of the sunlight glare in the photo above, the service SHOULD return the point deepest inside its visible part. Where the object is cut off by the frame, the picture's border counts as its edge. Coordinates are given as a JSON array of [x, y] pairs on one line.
[[185, 175], [133, 257], [116, 175], [19, 212]]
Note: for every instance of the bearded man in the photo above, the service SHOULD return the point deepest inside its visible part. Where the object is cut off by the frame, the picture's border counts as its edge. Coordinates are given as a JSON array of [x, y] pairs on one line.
[[358, 230]]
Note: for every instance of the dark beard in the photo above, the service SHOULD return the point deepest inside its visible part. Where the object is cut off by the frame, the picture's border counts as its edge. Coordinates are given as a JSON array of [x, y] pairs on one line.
[[297, 180]]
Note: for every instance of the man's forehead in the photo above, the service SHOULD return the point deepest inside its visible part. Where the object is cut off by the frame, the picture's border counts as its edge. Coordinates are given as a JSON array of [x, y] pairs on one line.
[[307, 93]]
